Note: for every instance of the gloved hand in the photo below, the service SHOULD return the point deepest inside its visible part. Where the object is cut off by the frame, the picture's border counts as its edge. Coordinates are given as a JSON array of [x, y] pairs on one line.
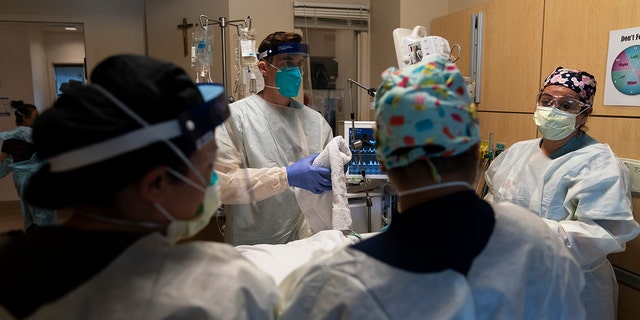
[[303, 174]]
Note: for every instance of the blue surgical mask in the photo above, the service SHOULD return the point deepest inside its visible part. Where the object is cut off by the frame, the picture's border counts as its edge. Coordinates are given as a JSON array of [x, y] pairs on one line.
[[288, 80]]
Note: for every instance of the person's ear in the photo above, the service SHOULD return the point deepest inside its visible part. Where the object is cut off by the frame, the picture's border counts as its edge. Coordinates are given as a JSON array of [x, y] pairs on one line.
[[153, 185], [262, 67], [582, 118]]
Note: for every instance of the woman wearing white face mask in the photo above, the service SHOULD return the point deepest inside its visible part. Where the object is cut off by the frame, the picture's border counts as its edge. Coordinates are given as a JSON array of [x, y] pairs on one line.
[[131, 156], [576, 184]]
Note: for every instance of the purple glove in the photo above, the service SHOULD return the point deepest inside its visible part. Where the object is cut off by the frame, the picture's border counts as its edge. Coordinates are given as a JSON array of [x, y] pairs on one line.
[[303, 174]]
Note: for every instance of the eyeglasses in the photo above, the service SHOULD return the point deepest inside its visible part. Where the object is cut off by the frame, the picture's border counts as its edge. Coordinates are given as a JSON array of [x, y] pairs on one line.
[[566, 104]]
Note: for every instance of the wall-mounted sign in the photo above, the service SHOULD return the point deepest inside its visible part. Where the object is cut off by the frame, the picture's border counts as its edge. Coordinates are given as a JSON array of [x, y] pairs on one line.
[[622, 85]]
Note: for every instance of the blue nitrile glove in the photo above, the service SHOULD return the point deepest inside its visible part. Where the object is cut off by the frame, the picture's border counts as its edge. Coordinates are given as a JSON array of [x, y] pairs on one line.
[[303, 174]]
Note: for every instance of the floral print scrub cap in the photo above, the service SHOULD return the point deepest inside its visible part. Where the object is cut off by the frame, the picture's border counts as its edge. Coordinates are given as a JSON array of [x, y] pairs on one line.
[[423, 111], [580, 82]]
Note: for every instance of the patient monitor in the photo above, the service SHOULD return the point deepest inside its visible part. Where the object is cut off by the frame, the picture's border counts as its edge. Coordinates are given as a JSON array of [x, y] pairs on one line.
[[365, 158]]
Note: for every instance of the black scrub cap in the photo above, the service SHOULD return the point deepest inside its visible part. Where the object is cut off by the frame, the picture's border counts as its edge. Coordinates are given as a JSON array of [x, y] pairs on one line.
[[157, 93]]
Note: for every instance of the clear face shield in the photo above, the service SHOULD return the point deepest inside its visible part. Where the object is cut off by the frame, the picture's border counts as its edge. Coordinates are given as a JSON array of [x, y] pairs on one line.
[[195, 125], [253, 149], [293, 48]]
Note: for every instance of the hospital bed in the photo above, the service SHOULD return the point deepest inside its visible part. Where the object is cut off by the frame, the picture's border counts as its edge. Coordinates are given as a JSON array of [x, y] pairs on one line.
[[278, 260]]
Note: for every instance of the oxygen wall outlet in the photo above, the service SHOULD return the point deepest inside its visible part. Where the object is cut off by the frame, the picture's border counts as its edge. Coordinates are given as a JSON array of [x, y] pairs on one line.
[[634, 173], [471, 87]]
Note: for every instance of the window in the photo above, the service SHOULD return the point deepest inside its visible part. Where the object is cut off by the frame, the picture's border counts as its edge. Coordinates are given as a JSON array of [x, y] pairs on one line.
[[338, 38], [65, 72]]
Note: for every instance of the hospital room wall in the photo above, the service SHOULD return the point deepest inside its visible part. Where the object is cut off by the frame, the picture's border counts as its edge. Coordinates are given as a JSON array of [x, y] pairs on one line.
[[110, 26], [266, 17], [21, 75], [516, 60], [389, 15], [26, 54], [14, 84], [122, 26], [167, 44], [386, 16], [523, 42]]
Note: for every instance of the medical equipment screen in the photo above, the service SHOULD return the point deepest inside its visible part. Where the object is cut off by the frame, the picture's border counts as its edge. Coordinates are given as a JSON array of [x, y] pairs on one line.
[[364, 131]]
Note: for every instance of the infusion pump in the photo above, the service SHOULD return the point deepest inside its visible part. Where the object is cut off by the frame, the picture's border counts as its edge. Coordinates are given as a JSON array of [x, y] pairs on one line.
[[413, 45]]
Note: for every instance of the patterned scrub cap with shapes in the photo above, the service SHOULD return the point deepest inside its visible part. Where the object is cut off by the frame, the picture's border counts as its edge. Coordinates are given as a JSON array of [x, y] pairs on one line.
[[424, 111], [581, 82]]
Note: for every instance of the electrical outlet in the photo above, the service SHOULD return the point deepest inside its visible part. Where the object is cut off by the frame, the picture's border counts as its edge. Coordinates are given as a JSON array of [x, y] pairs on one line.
[[634, 173]]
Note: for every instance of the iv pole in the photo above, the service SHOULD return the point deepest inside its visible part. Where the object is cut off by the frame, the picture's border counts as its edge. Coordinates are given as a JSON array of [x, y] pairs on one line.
[[357, 145], [223, 22]]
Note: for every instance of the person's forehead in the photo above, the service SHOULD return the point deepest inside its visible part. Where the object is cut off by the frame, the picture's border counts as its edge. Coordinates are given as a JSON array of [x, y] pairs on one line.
[[560, 91]]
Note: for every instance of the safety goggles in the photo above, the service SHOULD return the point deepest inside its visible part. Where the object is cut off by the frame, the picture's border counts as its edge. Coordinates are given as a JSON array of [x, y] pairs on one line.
[[566, 104], [195, 125]]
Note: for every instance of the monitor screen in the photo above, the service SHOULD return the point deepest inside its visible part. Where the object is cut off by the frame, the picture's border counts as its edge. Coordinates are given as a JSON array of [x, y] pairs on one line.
[[364, 131]]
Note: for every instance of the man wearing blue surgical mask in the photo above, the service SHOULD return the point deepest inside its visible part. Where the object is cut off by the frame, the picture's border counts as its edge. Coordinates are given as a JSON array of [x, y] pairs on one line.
[[267, 147]]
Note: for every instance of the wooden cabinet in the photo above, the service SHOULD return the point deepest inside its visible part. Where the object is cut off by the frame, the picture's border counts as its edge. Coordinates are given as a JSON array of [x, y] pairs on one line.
[[507, 128], [512, 49], [576, 35]]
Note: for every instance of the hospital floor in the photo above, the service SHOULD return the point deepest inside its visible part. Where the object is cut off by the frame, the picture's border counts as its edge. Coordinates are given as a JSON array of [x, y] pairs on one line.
[[10, 218]]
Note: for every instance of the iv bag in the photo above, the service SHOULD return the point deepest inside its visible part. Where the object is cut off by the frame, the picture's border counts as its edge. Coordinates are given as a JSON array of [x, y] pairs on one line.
[[248, 75], [202, 53], [247, 45]]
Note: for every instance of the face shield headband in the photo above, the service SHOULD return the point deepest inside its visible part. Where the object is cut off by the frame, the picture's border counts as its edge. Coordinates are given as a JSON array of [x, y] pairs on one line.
[[196, 124], [288, 48]]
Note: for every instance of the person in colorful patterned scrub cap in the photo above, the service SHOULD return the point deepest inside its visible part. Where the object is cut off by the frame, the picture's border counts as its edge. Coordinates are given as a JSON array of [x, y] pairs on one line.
[[447, 254], [573, 182]]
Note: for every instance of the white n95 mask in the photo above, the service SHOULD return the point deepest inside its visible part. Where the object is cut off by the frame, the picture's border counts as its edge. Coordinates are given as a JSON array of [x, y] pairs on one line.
[[182, 229], [554, 124]]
